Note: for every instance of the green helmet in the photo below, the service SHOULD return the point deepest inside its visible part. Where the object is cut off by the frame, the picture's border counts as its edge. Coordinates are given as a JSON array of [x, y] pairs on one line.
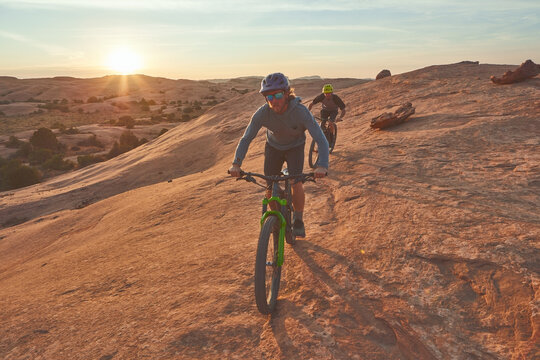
[[327, 89]]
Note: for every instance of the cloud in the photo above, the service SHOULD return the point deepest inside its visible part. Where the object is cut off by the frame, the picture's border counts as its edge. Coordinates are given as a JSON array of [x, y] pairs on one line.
[[243, 6], [48, 48]]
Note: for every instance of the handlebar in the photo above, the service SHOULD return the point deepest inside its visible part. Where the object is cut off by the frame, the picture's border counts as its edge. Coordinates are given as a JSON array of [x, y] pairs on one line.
[[250, 177], [276, 178]]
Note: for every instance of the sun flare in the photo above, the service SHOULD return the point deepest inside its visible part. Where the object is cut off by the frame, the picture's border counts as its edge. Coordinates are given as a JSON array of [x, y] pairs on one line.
[[124, 61]]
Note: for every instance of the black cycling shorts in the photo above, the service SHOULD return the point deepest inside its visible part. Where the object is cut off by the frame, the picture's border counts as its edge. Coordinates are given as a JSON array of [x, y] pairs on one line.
[[274, 160], [329, 115]]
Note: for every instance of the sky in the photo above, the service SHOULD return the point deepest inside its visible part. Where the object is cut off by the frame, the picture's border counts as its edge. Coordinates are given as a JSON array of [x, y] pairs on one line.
[[216, 39]]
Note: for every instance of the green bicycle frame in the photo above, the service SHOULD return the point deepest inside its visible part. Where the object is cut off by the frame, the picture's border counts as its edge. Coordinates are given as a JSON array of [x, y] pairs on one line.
[[279, 215]]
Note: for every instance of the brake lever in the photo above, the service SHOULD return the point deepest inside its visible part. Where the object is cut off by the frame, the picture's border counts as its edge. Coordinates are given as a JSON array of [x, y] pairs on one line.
[[250, 178]]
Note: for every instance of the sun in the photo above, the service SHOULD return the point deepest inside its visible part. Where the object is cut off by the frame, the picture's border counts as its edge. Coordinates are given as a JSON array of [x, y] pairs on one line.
[[124, 61]]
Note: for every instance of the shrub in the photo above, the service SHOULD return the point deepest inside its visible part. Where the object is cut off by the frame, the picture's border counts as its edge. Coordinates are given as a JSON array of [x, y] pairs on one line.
[[24, 151], [14, 143], [39, 155], [163, 131], [55, 106], [91, 141], [85, 160], [92, 99], [126, 121], [59, 126], [56, 162], [44, 138], [13, 175], [126, 142], [2, 113], [186, 117], [188, 110]]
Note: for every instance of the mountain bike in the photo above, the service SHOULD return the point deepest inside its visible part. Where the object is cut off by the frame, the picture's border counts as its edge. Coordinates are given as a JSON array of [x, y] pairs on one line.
[[314, 148], [276, 228]]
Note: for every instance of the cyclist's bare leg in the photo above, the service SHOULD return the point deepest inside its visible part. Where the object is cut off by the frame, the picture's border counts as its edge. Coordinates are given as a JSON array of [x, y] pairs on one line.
[[298, 197], [332, 125], [273, 204]]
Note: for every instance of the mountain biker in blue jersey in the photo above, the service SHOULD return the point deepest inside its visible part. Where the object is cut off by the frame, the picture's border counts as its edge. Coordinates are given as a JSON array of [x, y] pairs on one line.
[[330, 105], [286, 121]]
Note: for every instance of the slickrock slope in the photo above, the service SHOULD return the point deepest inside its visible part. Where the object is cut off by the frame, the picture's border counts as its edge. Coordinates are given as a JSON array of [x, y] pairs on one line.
[[423, 243]]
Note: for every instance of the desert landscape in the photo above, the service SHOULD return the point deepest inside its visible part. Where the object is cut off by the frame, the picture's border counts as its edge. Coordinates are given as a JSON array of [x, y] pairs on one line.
[[422, 243]]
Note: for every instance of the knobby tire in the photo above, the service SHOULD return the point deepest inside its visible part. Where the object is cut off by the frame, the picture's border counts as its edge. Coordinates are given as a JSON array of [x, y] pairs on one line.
[[267, 277], [314, 148]]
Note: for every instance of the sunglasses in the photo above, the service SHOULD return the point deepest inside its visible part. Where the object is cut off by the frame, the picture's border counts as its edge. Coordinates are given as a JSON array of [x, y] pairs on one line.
[[276, 96]]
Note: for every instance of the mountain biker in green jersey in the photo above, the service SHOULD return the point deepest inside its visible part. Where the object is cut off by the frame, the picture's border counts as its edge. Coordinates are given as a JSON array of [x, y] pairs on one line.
[[286, 121], [330, 105]]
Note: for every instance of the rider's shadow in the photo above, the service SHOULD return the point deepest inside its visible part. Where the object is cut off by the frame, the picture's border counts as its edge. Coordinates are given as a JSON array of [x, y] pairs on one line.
[[304, 248], [289, 309], [363, 316]]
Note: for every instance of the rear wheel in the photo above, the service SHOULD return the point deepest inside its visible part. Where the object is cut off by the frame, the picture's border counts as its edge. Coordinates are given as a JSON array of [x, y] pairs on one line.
[[267, 273], [313, 154]]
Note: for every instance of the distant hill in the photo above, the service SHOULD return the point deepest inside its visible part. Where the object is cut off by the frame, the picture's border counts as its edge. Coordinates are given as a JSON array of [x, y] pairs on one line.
[[313, 77]]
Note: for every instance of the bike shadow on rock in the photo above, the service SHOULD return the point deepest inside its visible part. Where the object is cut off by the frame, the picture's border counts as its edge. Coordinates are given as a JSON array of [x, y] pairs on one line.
[[347, 326]]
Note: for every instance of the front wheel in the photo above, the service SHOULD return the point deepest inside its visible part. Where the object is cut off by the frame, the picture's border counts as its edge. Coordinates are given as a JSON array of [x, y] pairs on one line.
[[267, 272], [331, 137]]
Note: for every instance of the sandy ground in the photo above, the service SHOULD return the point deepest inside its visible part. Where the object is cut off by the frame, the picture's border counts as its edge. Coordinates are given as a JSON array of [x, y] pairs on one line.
[[422, 243]]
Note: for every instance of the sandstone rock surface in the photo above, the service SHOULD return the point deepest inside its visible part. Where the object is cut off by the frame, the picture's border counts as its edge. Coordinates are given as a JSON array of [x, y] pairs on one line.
[[399, 116], [525, 71], [421, 244], [382, 74]]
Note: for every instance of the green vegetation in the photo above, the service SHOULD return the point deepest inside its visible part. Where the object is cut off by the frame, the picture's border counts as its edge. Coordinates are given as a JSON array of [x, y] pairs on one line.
[[44, 138], [13, 174], [42, 150], [57, 162], [54, 106], [91, 141], [126, 121], [43, 155], [85, 160], [14, 143], [127, 141]]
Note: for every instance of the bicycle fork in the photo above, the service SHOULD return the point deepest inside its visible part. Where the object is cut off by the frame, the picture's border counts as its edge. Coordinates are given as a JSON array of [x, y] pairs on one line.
[[281, 218]]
